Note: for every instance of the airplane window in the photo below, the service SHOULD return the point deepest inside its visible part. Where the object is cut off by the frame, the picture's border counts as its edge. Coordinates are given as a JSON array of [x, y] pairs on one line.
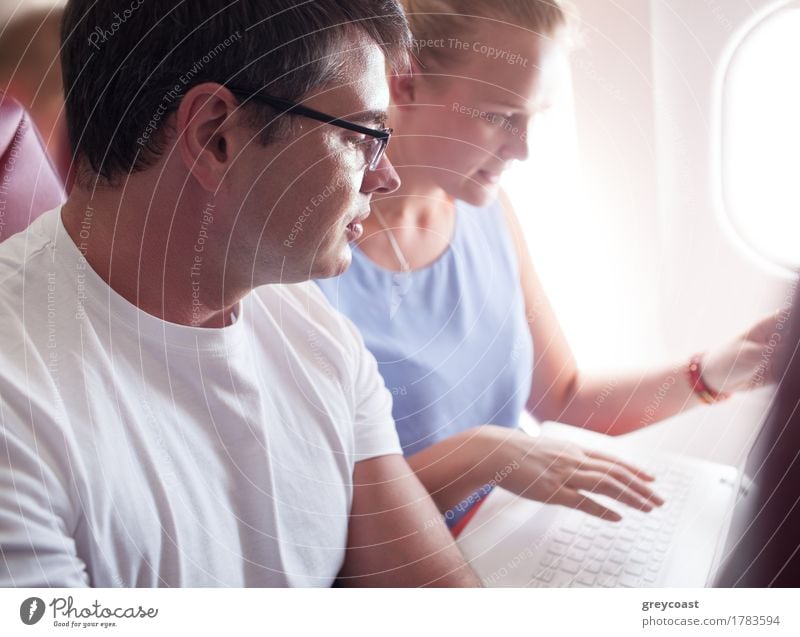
[[761, 139]]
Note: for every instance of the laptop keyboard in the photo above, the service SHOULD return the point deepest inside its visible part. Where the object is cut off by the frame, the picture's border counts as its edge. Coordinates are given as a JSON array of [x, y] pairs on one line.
[[585, 551]]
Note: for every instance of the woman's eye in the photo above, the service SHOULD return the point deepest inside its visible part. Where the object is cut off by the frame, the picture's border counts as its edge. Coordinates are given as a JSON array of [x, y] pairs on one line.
[[501, 119]]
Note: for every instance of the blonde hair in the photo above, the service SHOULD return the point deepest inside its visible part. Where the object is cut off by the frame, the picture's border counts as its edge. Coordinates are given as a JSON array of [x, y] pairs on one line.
[[437, 21]]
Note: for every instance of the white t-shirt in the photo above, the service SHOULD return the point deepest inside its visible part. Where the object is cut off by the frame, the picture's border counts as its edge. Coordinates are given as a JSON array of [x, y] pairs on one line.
[[135, 452]]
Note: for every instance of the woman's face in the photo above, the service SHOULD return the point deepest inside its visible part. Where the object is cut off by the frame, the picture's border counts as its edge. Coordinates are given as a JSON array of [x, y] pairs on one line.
[[465, 126]]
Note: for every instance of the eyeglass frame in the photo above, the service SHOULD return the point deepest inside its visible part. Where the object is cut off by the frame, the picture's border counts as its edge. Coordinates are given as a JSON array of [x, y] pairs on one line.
[[293, 108]]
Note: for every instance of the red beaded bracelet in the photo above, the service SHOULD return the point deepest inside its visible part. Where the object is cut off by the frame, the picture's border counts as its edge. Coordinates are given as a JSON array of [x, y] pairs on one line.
[[698, 385]]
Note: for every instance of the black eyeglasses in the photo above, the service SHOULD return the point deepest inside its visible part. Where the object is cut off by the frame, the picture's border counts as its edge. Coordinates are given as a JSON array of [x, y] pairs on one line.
[[374, 147]]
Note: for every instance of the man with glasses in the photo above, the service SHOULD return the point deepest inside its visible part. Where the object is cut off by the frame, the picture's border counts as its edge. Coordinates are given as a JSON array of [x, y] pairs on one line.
[[179, 405]]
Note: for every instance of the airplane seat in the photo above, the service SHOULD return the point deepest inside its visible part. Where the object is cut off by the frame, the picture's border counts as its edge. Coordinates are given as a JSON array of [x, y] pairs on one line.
[[29, 184]]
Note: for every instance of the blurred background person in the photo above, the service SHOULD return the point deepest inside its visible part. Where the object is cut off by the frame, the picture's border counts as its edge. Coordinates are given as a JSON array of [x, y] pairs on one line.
[[30, 72]]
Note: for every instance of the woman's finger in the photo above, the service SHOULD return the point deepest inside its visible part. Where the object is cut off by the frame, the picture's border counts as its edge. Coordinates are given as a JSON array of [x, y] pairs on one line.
[[623, 475], [639, 473], [604, 484], [575, 500]]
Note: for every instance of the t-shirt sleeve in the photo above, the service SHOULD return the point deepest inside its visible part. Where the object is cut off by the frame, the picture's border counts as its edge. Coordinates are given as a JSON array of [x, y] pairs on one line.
[[373, 425], [375, 432], [36, 547]]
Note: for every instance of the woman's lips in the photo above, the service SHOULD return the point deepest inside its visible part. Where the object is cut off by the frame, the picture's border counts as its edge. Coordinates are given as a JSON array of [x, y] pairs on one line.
[[489, 178]]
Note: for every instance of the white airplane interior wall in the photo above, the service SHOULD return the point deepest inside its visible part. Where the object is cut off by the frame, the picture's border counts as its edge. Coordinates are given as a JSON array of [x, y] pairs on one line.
[[647, 247]]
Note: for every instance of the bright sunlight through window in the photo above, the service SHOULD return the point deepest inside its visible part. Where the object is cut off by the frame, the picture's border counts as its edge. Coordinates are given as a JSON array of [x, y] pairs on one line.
[[761, 139]]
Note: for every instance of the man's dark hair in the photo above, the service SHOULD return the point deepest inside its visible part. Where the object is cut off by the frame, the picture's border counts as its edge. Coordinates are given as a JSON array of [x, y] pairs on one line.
[[127, 63]]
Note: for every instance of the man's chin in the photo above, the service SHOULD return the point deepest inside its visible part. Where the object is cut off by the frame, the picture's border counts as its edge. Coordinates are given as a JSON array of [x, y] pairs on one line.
[[334, 267]]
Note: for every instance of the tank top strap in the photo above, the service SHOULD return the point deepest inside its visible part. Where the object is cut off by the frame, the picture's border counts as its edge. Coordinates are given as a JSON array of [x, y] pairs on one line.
[[484, 229]]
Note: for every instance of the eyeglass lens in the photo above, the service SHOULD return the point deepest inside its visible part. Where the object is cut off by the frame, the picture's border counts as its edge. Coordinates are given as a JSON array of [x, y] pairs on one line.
[[374, 151]]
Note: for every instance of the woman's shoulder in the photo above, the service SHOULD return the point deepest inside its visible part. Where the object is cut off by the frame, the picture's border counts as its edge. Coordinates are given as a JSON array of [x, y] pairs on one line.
[[493, 225]]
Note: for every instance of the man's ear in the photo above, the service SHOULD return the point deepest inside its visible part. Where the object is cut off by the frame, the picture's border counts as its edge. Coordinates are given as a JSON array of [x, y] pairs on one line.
[[205, 122], [403, 86]]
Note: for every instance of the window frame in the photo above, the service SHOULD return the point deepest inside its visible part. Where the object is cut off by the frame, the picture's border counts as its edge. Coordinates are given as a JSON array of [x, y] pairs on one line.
[[740, 235]]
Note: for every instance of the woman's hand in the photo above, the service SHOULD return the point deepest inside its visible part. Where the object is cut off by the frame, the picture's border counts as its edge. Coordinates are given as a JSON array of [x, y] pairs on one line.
[[559, 472], [748, 361]]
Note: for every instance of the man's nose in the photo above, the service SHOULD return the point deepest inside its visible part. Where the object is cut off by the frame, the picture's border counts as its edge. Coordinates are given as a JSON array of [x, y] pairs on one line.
[[383, 180]]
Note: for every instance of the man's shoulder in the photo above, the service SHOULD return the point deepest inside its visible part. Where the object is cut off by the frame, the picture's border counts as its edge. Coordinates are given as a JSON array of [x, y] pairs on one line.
[[304, 314], [303, 302], [21, 254], [29, 296]]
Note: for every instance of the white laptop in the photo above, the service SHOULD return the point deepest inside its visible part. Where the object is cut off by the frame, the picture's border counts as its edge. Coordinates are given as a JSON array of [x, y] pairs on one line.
[[513, 541]]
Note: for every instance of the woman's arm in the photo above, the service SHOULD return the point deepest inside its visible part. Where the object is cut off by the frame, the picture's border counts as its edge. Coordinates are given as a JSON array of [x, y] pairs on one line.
[[631, 401], [538, 468]]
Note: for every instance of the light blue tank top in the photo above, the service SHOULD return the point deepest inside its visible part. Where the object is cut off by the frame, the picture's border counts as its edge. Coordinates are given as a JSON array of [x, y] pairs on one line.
[[451, 340]]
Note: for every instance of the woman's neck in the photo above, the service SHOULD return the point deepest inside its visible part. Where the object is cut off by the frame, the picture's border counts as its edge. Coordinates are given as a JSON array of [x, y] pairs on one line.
[[415, 204], [420, 218]]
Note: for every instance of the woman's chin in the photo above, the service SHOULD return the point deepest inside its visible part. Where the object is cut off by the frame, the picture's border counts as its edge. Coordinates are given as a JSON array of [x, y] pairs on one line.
[[478, 194]]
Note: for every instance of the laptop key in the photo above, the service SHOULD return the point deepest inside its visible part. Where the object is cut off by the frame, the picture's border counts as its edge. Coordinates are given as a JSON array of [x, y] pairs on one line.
[[638, 557], [623, 546], [587, 579], [612, 569], [583, 544], [617, 558], [650, 578], [607, 581], [660, 547], [546, 575], [548, 559], [634, 569]]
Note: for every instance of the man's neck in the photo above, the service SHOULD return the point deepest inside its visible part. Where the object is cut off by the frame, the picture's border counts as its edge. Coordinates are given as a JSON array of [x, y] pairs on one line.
[[146, 253]]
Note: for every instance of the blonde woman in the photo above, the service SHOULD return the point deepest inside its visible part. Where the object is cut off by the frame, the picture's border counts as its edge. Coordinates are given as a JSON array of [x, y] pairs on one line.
[[445, 293]]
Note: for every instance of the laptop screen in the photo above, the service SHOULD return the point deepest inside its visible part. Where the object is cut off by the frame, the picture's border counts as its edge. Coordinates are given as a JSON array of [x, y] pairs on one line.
[[763, 546]]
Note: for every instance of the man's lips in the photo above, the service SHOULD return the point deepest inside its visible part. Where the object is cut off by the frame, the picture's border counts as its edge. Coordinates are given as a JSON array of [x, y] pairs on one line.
[[356, 228], [361, 218]]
